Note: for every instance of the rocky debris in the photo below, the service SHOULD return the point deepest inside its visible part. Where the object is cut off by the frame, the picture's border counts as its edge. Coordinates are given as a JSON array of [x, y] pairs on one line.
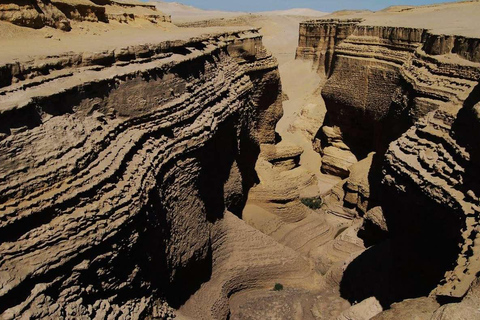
[[282, 156], [34, 14], [104, 169], [246, 259], [375, 217], [374, 229], [332, 134], [456, 311], [420, 308], [337, 161], [59, 13], [365, 310], [333, 202], [329, 305], [336, 155], [357, 186], [466, 309]]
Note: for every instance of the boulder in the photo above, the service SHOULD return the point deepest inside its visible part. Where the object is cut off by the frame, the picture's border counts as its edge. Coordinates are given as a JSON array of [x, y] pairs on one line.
[[337, 161]]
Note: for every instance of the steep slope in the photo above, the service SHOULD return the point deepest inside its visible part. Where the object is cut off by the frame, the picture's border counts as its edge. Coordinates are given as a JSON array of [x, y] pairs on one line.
[[106, 162], [406, 88]]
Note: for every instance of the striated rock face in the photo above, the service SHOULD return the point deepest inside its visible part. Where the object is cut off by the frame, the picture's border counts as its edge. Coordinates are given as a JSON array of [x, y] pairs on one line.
[[435, 164], [116, 167], [386, 78], [245, 259], [337, 161], [411, 96], [318, 39], [357, 186], [59, 13]]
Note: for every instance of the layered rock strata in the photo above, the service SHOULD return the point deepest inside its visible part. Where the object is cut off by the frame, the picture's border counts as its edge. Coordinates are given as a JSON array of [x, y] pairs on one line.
[[410, 95], [337, 157], [116, 166], [318, 39], [409, 66]]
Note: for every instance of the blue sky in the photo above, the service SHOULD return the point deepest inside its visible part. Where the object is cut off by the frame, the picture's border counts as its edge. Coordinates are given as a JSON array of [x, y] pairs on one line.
[[322, 5]]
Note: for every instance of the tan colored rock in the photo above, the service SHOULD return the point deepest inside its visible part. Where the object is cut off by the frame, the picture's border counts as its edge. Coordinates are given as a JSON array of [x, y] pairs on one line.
[[375, 216], [60, 13], [456, 311], [357, 185], [333, 134], [36, 14], [400, 83], [419, 309], [244, 258], [364, 310], [117, 169], [337, 161], [333, 202]]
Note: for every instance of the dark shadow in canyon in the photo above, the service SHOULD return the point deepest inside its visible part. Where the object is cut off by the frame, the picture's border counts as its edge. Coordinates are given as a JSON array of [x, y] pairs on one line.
[[175, 286], [361, 133], [369, 233], [218, 177], [422, 246], [124, 268], [216, 159], [466, 131], [423, 237]]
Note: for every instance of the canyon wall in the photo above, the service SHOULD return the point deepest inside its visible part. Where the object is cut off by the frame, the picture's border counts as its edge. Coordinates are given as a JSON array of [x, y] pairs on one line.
[[116, 167], [318, 39], [411, 96]]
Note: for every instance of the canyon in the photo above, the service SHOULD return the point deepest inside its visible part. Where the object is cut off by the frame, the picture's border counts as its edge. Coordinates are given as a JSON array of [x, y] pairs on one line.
[[158, 161]]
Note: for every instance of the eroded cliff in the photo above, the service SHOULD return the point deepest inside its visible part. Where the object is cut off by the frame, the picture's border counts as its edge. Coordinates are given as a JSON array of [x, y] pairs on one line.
[[126, 165], [116, 166], [408, 92]]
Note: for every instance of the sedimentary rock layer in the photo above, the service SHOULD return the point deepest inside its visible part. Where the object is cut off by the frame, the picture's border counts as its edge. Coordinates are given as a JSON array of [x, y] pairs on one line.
[[116, 165], [317, 40], [418, 89], [383, 79]]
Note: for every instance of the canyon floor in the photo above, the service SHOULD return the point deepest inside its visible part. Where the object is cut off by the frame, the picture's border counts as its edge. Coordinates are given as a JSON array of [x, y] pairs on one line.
[[159, 161]]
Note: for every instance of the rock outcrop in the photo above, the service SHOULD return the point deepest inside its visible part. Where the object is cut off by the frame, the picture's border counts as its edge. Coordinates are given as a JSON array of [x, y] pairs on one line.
[[406, 63], [59, 13], [410, 94], [318, 39], [365, 310], [116, 167]]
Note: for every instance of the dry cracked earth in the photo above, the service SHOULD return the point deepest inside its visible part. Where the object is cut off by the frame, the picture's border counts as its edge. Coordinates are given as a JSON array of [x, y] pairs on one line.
[[159, 161]]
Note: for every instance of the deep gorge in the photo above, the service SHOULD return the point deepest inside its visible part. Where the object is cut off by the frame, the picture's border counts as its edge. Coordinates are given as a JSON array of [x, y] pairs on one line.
[[214, 176]]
